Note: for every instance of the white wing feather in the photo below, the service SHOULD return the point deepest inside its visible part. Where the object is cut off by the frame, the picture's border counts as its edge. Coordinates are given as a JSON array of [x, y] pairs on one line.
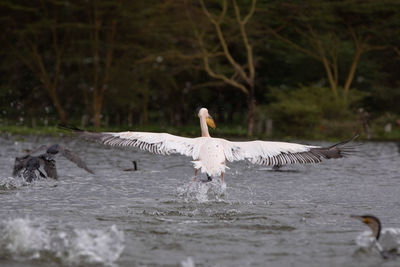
[[257, 152], [158, 143], [269, 153]]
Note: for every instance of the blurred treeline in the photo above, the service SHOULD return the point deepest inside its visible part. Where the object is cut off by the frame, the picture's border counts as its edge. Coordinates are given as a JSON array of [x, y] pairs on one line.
[[306, 69]]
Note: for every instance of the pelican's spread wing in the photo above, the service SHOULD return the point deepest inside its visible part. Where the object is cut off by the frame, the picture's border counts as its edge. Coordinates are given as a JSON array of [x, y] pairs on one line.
[[281, 153], [158, 143]]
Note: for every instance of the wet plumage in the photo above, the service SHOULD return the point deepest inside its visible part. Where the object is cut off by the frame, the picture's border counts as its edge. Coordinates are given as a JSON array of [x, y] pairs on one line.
[[31, 166]]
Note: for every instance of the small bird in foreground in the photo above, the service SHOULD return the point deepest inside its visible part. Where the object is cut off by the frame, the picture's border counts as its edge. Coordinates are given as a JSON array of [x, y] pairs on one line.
[[386, 240], [30, 166], [210, 154]]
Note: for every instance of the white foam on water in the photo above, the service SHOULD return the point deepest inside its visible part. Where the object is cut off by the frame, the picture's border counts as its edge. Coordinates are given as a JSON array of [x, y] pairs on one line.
[[389, 240], [202, 192], [365, 240], [11, 183], [26, 239], [95, 246], [188, 262]]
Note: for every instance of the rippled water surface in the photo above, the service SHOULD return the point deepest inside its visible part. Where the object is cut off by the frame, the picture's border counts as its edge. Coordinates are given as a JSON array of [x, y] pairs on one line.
[[298, 216]]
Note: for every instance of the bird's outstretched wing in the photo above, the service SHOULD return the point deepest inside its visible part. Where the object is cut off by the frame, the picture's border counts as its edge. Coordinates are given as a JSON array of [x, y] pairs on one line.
[[34, 151], [20, 162], [73, 157], [19, 165], [49, 167], [157, 143], [282, 153]]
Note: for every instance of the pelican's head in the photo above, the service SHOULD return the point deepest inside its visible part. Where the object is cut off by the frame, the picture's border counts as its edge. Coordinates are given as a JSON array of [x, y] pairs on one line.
[[203, 113], [373, 222]]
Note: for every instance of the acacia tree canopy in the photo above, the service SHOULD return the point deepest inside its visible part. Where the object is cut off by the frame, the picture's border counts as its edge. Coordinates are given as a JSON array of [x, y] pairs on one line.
[[134, 62]]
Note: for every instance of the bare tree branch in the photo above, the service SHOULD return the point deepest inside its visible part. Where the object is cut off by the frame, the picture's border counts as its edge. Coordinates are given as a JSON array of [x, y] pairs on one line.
[[217, 25], [251, 12], [396, 50], [207, 85], [219, 76], [249, 50], [292, 44], [175, 54], [220, 17]]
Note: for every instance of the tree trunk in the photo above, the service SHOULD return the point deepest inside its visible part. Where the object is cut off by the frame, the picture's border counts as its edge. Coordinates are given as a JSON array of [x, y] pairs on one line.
[[352, 71], [145, 107], [130, 116], [60, 110], [251, 106], [331, 79], [97, 105]]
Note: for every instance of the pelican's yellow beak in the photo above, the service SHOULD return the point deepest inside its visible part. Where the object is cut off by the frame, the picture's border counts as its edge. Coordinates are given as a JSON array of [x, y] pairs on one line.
[[210, 122]]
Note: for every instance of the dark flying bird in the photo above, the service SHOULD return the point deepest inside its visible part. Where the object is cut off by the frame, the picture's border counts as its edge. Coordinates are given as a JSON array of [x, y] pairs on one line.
[[210, 154], [31, 166]]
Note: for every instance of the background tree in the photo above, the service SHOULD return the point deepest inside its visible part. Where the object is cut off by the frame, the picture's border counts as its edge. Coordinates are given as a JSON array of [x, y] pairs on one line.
[[34, 27], [136, 63], [330, 32], [229, 70], [98, 43]]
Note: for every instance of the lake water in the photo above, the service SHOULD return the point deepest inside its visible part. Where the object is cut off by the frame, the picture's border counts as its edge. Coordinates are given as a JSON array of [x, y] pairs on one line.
[[156, 216]]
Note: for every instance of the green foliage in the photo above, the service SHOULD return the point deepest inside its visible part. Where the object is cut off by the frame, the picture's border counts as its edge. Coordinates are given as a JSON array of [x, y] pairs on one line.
[[24, 130], [312, 111], [157, 76], [379, 124], [384, 99]]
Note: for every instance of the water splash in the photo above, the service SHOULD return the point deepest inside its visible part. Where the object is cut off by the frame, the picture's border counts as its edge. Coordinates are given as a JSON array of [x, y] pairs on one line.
[[365, 240], [23, 238], [389, 240], [11, 183], [188, 262], [202, 192], [95, 246], [26, 239]]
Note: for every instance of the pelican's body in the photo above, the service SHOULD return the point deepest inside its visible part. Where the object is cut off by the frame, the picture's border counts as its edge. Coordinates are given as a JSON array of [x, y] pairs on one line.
[[211, 159], [211, 154]]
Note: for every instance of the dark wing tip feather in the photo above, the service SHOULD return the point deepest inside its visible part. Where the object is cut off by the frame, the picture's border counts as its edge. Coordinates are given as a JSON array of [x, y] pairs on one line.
[[345, 142], [69, 127], [88, 136], [290, 158], [338, 150]]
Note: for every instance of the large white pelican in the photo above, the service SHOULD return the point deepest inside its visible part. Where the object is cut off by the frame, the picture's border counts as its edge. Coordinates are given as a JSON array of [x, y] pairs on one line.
[[210, 154]]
